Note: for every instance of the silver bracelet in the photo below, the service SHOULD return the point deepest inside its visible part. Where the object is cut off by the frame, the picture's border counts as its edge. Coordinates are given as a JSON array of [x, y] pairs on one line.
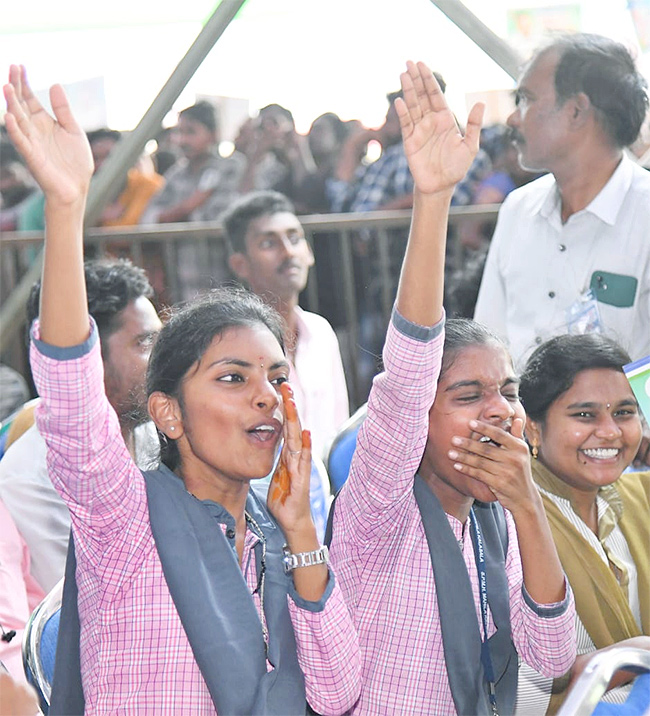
[[304, 559]]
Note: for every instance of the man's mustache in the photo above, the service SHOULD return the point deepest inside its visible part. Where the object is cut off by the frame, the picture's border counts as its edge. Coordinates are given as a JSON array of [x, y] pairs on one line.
[[289, 264], [515, 136]]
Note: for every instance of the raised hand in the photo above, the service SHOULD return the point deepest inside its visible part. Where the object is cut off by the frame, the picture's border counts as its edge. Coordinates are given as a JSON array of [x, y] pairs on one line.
[[438, 154], [55, 149], [288, 496]]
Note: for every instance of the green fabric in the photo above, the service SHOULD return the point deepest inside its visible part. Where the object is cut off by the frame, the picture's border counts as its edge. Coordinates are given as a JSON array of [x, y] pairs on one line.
[[32, 217]]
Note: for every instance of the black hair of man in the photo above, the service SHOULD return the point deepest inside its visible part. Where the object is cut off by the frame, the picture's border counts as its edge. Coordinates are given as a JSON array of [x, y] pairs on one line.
[[277, 109], [605, 71], [204, 113], [336, 123], [237, 218], [96, 135], [111, 285]]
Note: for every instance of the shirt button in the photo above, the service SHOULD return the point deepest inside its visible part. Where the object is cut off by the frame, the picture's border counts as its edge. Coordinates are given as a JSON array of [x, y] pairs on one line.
[[562, 247], [551, 294], [230, 533], [538, 340]]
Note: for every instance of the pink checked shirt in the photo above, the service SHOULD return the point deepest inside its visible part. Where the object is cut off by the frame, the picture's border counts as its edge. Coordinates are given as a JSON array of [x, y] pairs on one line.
[[382, 559], [134, 652]]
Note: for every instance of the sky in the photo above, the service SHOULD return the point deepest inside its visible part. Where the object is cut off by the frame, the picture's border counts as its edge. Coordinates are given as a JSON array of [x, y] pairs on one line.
[[311, 56]]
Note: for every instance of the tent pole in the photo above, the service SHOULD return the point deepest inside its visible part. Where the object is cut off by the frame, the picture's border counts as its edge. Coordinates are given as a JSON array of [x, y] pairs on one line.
[[494, 46]]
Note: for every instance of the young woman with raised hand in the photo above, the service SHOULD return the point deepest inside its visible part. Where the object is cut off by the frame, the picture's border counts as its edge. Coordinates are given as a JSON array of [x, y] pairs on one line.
[[184, 601], [584, 429], [429, 560]]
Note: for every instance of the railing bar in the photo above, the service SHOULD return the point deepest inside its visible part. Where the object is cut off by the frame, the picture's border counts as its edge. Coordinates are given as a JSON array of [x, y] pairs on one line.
[[312, 283], [351, 318]]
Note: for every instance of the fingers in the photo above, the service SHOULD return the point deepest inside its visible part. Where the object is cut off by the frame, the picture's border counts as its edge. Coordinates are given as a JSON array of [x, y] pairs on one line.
[[62, 111], [292, 429], [489, 456], [421, 91], [413, 90], [435, 96], [473, 128], [16, 121], [297, 442], [406, 124], [517, 429]]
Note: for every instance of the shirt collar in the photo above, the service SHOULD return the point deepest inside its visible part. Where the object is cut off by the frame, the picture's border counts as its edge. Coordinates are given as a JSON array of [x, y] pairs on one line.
[[606, 204]]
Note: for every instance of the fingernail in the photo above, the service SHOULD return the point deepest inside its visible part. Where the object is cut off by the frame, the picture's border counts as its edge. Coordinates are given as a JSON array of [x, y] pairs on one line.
[[473, 424], [456, 440], [452, 454]]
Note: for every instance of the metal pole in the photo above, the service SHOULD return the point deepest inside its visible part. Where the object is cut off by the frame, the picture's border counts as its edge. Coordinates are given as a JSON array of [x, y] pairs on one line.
[[106, 184], [494, 46]]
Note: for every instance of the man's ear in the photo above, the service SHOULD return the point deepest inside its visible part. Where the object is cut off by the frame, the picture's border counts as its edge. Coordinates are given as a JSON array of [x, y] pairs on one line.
[[581, 109], [239, 265], [166, 414], [310, 260]]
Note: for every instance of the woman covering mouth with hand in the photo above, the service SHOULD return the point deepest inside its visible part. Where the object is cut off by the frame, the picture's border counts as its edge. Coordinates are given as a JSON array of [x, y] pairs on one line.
[[447, 588], [584, 430]]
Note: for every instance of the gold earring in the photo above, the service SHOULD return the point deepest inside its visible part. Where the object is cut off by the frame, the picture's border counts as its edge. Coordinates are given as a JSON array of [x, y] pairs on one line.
[[535, 451]]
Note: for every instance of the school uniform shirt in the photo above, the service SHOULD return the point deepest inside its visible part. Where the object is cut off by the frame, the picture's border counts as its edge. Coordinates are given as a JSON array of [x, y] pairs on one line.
[[537, 266], [380, 552], [135, 655]]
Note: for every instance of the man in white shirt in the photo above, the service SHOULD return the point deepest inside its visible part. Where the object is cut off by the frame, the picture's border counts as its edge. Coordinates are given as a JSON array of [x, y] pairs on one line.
[[570, 252], [118, 300]]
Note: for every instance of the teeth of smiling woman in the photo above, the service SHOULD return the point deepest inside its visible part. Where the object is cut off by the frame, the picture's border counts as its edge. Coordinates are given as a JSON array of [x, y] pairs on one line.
[[601, 453]]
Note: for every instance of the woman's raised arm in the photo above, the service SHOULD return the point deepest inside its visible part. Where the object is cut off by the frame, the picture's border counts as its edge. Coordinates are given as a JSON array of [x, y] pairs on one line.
[[58, 155], [438, 156]]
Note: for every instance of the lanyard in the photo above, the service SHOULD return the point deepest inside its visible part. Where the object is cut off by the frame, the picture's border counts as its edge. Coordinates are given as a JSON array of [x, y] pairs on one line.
[[486, 660]]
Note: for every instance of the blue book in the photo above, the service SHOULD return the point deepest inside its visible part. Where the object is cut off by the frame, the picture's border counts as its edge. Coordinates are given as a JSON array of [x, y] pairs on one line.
[[638, 375]]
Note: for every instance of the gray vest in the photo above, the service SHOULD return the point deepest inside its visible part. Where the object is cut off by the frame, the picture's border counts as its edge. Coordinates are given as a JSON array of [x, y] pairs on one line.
[[461, 633], [214, 605]]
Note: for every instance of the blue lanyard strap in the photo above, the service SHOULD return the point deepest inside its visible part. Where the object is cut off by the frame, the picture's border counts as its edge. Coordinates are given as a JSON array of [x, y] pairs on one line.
[[486, 659]]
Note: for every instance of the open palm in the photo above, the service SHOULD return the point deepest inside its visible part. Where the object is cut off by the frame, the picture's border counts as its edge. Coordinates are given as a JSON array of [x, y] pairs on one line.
[[437, 153], [55, 149]]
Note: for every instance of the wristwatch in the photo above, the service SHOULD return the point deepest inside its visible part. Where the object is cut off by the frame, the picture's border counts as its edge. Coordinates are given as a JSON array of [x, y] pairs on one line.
[[304, 559]]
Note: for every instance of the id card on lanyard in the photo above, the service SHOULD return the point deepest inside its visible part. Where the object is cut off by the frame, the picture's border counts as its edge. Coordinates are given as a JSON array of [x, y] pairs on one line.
[[486, 659], [583, 316]]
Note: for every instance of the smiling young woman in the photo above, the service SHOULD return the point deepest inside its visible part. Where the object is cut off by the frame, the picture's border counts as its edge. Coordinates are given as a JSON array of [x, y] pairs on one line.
[[187, 598], [584, 428]]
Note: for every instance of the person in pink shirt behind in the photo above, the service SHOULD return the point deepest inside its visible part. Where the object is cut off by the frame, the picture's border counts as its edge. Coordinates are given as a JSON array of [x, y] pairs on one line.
[[439, 535], [193, 596], [20, 594]]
